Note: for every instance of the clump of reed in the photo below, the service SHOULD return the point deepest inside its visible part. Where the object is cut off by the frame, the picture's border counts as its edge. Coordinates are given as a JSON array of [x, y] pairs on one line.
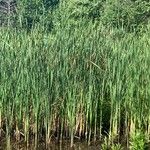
[[74, 83]]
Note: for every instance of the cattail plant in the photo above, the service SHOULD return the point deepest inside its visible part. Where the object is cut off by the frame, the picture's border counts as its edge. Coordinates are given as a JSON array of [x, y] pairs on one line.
[[75, 83]]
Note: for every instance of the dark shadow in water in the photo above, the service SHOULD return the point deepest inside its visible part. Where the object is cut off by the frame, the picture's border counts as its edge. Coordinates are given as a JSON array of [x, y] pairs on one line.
[[65, 145]]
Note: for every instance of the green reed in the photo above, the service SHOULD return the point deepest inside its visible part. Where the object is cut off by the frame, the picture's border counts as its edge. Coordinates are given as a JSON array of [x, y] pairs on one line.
[[75, 83]]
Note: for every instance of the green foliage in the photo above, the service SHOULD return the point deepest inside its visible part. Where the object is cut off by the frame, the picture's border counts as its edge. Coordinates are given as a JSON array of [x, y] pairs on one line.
[[127, 14], [83, 78], [30, 13], [73, 83], [105, 145], [138, 141], [116, 147], [87, 9]]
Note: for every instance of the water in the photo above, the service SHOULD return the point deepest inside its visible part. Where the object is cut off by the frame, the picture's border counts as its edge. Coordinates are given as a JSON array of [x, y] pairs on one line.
[[65, 145]]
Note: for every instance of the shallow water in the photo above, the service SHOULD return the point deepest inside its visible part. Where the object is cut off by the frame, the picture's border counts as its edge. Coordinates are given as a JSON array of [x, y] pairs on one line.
[[65, 145]]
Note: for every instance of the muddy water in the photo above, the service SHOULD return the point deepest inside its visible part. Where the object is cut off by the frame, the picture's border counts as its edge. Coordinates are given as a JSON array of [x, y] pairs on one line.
[[65, 145]]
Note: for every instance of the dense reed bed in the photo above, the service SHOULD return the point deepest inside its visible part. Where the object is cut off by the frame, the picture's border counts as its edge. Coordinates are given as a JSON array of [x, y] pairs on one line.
[[74, 83]]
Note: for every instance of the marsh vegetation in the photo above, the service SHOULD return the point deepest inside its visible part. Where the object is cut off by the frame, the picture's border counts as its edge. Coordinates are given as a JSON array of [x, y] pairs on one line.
[[76, 76]]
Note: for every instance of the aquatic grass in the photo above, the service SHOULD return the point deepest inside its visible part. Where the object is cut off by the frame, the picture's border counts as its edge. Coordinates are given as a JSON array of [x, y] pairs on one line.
[[76, 83]]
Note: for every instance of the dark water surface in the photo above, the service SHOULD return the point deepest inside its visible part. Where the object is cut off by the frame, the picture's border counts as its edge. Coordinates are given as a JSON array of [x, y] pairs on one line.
[[65, 145]]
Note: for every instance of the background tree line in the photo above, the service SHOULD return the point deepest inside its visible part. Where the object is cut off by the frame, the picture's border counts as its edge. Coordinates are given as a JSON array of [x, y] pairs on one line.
[[127, 14]]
